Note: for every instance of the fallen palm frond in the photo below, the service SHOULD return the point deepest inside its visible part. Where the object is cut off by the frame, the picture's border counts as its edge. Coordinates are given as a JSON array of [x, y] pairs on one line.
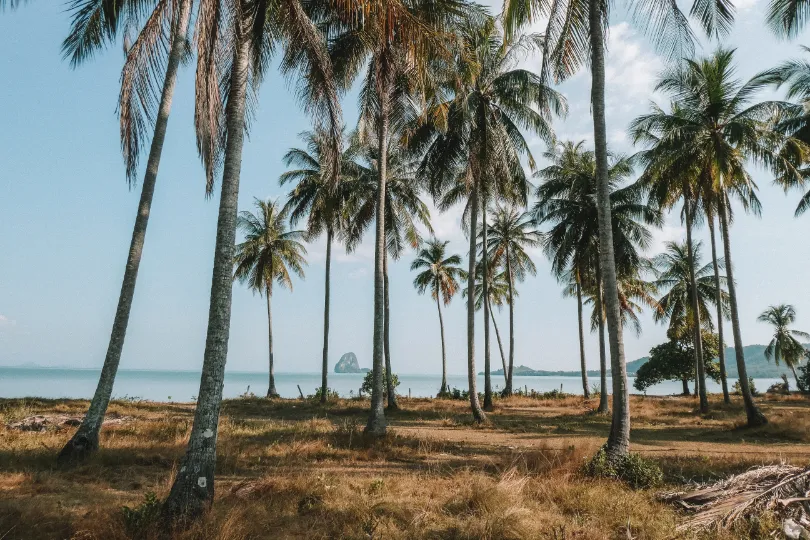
[[783, 489]]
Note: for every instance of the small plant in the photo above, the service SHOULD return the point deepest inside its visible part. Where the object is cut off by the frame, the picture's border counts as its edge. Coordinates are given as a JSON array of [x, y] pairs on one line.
[[368, 382], [637, 471], [738, 391], [780, 387], [138, 519], [331, 394], [804, 378], [247, 394]]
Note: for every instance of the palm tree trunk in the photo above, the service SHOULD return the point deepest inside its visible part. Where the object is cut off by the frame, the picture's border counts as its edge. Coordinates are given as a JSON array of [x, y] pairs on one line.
[[86, 439], [500, 344], [325, 365], [376, 425], [585, 390], [193, 487], [697, 339], [721, 349], [478, 413], [443, 389], [389, 376], [618, 443], [271, 387], [485, 282], [755, 417], [603, 408], [793, 369], [685, 387], [511, 282]]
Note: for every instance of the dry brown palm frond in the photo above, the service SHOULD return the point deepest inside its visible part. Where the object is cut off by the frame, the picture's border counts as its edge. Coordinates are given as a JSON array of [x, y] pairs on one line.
[[784, 489]]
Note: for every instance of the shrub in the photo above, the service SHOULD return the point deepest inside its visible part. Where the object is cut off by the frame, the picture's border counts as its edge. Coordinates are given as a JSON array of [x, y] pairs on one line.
[[780, 387], [637, 471], [331, 394], [368, 382], [804, 378], [138, 519], [738, 391]]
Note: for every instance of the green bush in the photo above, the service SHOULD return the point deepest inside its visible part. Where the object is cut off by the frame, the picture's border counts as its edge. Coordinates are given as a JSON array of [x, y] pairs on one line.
[[368, 383], [804, 378], [637, 471], [138, 519], [738, 391], [331, 395]]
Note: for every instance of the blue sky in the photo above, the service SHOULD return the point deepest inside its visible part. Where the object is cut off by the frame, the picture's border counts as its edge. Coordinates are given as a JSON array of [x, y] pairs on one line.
[[66, 216]]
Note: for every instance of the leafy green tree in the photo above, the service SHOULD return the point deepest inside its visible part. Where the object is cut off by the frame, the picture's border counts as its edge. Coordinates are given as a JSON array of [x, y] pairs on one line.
[[147, 88], [440, 274], [475, 156], [784, 347], [674, 361]]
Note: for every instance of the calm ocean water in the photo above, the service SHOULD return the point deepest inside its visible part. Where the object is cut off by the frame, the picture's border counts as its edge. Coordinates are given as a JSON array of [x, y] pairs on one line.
[[184, 385]]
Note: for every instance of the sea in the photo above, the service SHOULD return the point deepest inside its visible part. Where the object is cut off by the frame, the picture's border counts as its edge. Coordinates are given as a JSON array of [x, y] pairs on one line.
[[182, 386]]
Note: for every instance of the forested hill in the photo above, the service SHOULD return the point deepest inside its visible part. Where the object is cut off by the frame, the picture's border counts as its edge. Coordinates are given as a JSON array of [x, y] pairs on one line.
[[755, 362]]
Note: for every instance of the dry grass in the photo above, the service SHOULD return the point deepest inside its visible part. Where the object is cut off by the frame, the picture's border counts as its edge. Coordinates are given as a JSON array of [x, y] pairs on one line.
[[292, 469]]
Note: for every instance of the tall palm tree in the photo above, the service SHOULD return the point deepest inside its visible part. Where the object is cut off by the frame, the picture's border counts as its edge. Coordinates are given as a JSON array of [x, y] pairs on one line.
[[268, 253], [235, 42], [404, 213], [440, 274], [322, 202], [784, 347], [476, 156], [512, 233], [575, 35], [497, 295], [152, 58], [573, 286], [714, 128], [567, 201]]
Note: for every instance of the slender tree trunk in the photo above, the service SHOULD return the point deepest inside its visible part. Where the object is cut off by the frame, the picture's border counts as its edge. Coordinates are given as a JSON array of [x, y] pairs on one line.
[[697, 339], [376, 425], [271, 386], [585, 390], [325, 366], [755, 417], [478, 413], [618, 443], [721, 350], [793, 369], [511, 282], [500, 344], [389, 374], [444, 389], [86, 439], [193, 488], [485, 282], [685, 387], [603, 408]]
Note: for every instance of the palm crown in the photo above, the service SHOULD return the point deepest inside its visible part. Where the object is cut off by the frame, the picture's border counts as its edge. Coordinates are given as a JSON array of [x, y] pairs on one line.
[[784, 346], [440, 273]]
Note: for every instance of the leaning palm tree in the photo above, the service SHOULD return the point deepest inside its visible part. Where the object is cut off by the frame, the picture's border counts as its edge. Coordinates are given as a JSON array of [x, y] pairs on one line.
[[567, 201], [268, 254], [573, 282], [152, 58], [235, 42], [440, 274], [512, 233], [784, 347], [576, 35], [322, 202], [714, 128], [475, 156]]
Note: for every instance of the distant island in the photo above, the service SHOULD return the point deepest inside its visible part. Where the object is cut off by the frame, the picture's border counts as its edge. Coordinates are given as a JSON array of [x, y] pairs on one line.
[[756, 364], [348, 364]]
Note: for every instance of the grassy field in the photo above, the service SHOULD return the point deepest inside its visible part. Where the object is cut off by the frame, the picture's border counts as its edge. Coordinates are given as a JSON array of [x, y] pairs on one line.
[[294, 469]]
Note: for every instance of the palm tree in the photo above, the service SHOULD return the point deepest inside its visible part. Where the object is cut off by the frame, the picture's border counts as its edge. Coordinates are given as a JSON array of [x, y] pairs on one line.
[[322, 202], [512, 232], [153, 57], [268, 253], [440, 273], [567, 201], [714, 128], [476, 156], [573, 281], [404, 212], [575, 35], [497, 295], [238, 37], [784, 346]]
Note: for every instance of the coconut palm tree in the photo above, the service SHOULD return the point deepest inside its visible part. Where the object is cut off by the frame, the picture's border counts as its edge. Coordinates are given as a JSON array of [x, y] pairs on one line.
[[322, 202], [404, 213], [268, 254], [714, 128], [475, 156], [784, 347], [153, 58], [573, 286], [440, 274], [575, 35], [512, 233], [567, 201], [235, 42]]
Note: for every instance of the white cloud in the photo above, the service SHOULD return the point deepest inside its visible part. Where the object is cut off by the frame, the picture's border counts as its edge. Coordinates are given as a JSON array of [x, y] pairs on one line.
[[631, 67], [6, 322], [668, 233]]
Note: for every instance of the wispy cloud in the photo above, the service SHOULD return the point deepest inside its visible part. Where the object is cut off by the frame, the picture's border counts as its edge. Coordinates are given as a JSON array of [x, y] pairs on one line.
[[6, 322]]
